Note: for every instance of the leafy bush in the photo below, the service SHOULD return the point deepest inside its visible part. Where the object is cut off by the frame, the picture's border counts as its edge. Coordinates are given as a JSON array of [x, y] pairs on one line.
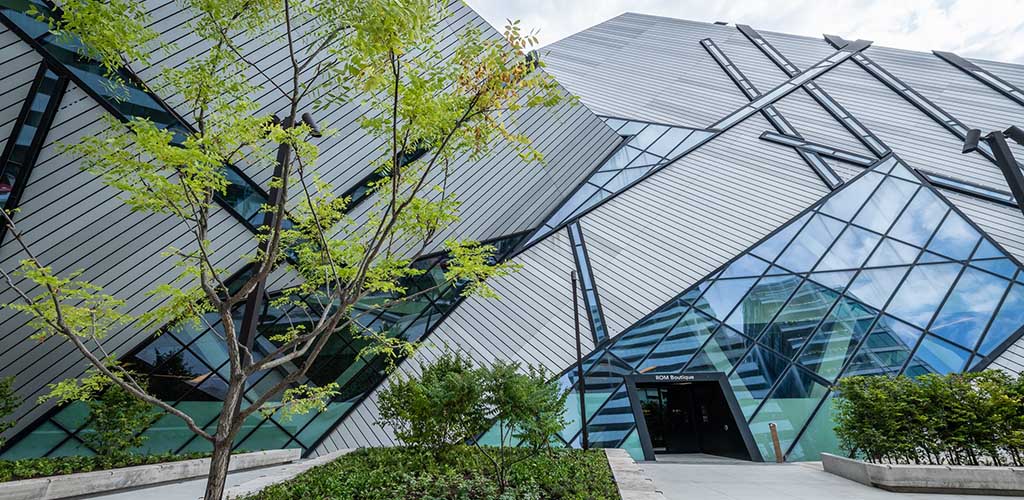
[[527, 407], [117, 419], [452, 403], [11, 470], [414, 474], [961, 418], [440, 409]]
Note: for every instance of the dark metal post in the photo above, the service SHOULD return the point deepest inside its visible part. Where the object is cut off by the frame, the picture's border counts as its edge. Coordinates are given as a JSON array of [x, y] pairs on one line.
[[585, 440], [1008, 165], [254, 303]]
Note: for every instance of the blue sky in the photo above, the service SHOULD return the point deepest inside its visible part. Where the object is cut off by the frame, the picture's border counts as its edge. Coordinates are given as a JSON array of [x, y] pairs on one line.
[[986, 29]]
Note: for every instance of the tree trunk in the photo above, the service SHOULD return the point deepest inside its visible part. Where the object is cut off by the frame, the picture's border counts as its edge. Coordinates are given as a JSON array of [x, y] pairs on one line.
[[218, 475], [224, 440]]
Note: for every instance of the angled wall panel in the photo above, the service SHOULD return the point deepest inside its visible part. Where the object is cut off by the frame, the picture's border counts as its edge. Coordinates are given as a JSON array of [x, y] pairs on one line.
[[572, 139], [674, 228], [910, 133], [531, 323], [654, 69], [816, 125], [967, 99]]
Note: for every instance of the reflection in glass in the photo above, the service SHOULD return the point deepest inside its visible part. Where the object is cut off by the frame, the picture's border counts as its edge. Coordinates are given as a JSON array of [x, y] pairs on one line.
[[922, 292], [970, 305]]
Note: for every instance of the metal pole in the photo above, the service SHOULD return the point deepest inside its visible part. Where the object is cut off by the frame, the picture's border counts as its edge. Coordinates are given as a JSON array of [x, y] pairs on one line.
[[585, 440], [254, 302]]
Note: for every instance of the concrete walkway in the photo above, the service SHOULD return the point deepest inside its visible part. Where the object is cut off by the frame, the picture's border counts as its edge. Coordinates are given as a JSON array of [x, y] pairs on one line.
[[702, 477]]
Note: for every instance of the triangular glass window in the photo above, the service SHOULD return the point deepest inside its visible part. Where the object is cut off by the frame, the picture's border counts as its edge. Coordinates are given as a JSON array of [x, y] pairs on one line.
[[833, 280], [893, 253]]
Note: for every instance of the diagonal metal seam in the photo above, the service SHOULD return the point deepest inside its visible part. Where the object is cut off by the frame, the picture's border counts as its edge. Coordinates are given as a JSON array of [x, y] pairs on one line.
[[739, 115], [983, 75], [19, 156], [821, 168], [826, 101], [926, 106]]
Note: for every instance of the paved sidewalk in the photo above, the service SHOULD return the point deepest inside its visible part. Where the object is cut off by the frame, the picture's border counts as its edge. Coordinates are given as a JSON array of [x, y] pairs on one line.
[[704, 478]]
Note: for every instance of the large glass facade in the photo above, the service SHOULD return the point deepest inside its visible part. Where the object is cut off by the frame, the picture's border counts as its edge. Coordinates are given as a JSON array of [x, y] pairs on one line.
[[188, 365], [882, 277], [646, 147]]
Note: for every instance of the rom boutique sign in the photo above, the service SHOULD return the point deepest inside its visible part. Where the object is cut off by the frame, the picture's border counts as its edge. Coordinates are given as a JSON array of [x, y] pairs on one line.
[[674, 378]]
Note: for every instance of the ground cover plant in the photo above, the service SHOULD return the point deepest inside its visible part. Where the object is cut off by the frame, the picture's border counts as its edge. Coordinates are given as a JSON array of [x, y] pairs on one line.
[[412, 473]]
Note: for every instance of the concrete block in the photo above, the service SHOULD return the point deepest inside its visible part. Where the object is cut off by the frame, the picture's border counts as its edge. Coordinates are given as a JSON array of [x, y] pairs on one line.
[[280, 474], [89, 483], [632, 481], [951, 479]]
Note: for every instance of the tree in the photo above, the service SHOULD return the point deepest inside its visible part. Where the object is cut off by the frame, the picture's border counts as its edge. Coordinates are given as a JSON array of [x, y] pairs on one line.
[[375, 53]]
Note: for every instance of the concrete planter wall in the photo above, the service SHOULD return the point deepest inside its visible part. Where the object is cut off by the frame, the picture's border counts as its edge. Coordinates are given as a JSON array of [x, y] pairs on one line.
[[929, 478], [89, 483], [632, 481]]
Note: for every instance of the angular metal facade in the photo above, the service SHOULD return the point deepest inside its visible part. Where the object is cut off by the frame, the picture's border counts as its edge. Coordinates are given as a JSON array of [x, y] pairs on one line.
[[696, 147]]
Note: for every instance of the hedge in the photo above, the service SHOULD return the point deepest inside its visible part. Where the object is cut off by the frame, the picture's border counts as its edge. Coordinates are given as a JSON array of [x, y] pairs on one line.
[[957, 419]]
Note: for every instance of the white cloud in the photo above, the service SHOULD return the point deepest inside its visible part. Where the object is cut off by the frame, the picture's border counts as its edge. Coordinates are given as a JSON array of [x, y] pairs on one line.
[[986, 29]]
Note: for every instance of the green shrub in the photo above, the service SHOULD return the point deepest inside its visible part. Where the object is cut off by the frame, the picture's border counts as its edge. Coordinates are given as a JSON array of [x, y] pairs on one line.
[[9, 402], [117, 419], [440, 409], [410, 473], [526, 406], [960, 418]]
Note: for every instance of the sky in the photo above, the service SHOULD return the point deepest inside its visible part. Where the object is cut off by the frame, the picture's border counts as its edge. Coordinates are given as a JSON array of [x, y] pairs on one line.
[[985, 29]]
